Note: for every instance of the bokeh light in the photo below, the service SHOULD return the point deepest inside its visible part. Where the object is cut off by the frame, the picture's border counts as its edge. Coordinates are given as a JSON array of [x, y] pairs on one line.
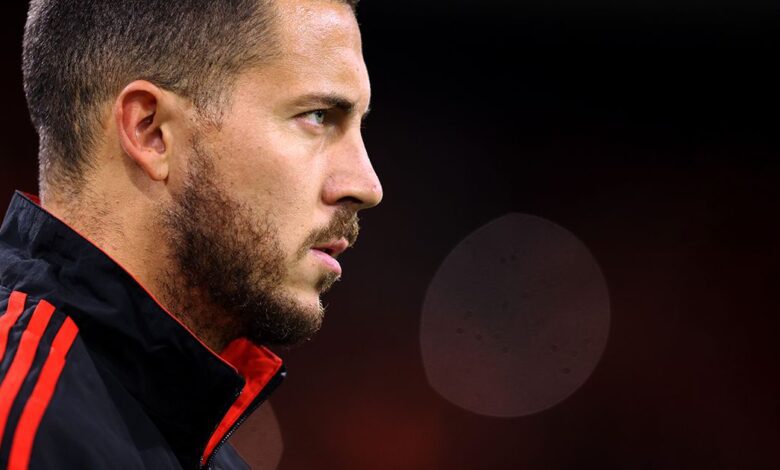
[[515, 319]]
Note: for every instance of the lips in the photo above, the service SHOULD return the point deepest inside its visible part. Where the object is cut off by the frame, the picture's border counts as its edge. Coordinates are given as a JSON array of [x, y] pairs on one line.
[[328, 252], [333, 248]]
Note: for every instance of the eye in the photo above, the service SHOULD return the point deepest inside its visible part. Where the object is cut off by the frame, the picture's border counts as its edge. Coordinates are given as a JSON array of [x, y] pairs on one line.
[[316, 117]]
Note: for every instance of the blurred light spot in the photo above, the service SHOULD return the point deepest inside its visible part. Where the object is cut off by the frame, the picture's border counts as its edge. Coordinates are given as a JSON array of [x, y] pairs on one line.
[[515, 319], [259, 439]]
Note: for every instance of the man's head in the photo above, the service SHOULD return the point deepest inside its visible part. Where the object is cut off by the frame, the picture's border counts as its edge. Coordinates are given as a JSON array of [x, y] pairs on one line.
[[221, 142]]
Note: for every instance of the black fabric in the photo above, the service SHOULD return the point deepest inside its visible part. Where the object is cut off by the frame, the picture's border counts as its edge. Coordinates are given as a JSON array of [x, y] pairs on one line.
[[41, 354], [138, 390]]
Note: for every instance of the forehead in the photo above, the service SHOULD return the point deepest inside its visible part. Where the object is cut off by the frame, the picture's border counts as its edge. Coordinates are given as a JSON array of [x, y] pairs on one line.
[[310, 23], [319, 50]]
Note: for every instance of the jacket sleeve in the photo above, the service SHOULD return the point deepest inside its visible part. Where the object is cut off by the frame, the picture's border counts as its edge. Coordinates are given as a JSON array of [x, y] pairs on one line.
[[48, 391]]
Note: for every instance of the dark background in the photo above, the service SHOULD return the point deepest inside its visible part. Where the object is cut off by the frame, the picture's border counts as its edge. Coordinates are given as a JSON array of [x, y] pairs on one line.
[[648, 129]]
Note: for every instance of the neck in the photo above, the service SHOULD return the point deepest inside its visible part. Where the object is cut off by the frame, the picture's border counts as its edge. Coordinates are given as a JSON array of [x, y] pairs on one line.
[[131, 230]]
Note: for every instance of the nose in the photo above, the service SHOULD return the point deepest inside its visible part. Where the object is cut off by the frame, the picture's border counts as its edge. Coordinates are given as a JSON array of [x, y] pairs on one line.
[[352, 180]]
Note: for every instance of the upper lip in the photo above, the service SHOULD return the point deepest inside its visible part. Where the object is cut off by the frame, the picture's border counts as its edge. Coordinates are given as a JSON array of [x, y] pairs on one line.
[[333, 248]]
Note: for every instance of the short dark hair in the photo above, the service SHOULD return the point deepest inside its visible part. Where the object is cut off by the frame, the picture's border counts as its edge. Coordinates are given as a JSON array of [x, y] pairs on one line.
[[78, 54]]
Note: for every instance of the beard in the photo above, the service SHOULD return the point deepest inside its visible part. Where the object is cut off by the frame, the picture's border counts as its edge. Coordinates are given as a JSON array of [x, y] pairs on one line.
[[227, 267]]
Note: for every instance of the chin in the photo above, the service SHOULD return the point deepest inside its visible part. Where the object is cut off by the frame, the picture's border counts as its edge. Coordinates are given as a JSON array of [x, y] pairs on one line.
[[308, 299]]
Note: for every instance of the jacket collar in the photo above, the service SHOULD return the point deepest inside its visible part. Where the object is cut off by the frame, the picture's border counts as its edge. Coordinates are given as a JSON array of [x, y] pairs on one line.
[[193, 395]]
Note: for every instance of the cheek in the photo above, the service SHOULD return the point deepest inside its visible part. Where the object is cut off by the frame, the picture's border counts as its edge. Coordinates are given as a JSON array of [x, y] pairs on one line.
[[278, 194], [266, 162], [275, 175]]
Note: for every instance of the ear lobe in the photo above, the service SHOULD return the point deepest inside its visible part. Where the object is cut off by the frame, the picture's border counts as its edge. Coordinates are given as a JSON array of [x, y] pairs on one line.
[[141, 132]]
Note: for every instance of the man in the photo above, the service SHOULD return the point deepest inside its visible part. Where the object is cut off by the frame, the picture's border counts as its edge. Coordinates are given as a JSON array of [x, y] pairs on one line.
[[201, 168]]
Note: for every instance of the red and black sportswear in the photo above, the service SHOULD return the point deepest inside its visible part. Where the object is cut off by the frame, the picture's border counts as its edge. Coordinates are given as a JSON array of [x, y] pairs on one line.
[[95, 374]]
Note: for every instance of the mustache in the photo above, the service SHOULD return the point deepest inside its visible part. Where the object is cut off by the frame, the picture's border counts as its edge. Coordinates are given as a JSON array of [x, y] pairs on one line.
[[345, 224]]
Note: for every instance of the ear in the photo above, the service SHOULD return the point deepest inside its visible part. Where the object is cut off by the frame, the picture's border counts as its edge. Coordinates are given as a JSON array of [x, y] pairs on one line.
[[140, 115]]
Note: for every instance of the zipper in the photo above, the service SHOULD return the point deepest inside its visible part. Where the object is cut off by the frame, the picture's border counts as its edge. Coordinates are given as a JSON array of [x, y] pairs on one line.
[[261, 398]]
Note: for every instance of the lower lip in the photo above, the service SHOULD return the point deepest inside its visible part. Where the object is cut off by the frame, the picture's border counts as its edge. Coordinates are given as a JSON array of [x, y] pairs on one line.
[[328, 261]]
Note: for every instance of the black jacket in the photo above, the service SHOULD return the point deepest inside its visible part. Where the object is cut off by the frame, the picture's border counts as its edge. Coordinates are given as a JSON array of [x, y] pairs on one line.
[[95, 374]]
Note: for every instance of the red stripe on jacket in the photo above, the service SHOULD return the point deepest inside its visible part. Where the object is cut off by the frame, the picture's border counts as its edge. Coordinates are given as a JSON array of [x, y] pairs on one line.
[[21, 447], [23, 360], [12, 313]]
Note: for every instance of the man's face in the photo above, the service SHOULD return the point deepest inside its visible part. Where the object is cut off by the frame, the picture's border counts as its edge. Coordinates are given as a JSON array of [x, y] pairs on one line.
[[270, 198]]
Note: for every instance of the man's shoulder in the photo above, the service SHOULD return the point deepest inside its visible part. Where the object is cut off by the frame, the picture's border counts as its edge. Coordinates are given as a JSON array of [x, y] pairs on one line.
[[35, 344], [56, 409]]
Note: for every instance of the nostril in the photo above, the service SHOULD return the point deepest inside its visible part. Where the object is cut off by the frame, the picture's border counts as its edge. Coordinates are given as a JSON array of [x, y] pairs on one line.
[[351, 200]]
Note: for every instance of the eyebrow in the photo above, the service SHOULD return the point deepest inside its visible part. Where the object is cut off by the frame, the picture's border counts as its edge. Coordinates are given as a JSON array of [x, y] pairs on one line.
[[331, 100]]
